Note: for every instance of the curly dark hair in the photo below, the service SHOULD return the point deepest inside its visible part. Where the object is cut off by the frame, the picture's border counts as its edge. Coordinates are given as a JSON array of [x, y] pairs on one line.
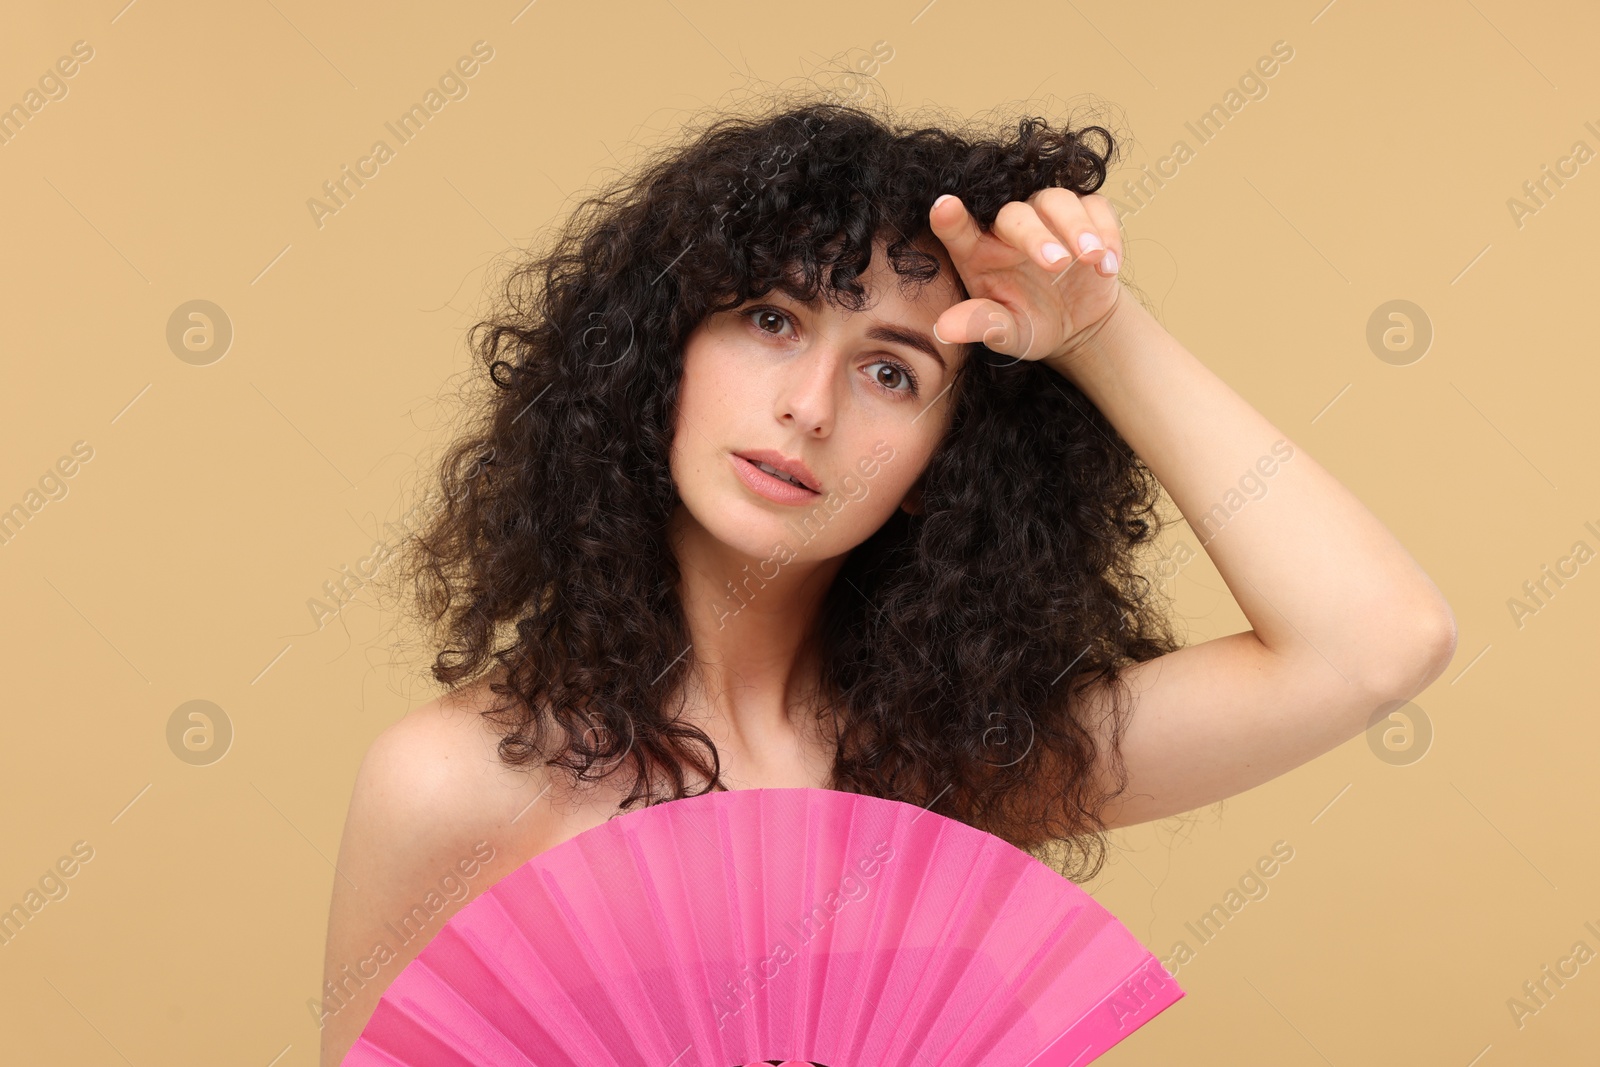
[[949, 640]]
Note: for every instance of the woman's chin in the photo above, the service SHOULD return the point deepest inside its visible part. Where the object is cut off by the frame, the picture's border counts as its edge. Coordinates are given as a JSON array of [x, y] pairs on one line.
[[764, 537]]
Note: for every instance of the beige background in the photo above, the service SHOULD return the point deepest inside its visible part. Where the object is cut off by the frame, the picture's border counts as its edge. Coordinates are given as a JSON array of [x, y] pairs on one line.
[[219, 498]]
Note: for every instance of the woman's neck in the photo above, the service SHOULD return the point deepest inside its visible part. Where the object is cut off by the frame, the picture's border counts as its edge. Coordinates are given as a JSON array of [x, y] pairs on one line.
[[752, 634]]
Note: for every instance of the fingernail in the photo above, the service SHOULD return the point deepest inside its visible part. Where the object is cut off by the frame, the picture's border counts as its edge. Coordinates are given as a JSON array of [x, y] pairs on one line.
[[1110, 263], [1088, 243], [936, 334], [1052, 252], [942, 199]]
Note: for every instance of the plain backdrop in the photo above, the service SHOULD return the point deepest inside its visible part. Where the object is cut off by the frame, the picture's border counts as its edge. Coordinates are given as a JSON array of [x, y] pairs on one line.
[[1438, 865]]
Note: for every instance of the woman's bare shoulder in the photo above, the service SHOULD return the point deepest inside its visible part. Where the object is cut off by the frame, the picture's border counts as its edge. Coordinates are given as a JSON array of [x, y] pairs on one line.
[[435, 819], [442, 751], [436, 777]]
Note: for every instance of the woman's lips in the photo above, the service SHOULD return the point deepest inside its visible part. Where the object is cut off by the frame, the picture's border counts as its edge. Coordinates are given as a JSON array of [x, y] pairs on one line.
[[769, 486]]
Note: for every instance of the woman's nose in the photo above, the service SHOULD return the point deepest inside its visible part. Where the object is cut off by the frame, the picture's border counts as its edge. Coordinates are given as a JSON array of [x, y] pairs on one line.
[[809, 388]]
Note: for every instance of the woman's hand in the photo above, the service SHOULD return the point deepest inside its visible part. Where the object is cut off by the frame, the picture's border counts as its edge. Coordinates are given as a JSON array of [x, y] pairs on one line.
[[1023, 304]]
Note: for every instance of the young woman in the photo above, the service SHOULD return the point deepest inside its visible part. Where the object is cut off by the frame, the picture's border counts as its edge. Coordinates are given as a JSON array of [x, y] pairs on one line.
[[821, 452]]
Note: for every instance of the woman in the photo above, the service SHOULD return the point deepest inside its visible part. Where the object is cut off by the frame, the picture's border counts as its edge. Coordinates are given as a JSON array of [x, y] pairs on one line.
[[819, 453]]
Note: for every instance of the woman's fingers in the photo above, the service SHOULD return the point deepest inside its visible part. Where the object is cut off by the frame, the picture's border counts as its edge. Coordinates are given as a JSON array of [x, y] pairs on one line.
[[1021, 227], [972, 322], [955, 228], [1104, 219], [1051, 228], [989, 323], [1066, 213]]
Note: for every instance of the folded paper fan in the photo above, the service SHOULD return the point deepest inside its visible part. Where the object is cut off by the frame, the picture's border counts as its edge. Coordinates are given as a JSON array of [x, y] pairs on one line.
[[792, 925]]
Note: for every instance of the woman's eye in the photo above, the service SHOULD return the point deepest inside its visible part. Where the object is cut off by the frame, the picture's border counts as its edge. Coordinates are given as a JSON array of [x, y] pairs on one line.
[[891, 374], [767, 320]]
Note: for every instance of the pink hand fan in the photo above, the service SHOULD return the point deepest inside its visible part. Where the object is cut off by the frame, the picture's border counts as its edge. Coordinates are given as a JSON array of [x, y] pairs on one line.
[[796, 925]]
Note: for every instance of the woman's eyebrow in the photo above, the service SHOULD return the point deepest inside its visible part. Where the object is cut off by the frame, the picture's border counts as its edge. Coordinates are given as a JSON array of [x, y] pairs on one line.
[[910, 338]]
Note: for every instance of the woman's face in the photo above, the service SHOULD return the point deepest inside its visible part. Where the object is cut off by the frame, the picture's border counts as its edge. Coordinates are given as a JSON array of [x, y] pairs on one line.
[[859, 400]]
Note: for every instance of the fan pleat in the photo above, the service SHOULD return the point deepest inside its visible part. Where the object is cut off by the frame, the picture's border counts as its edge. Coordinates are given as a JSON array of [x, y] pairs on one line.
[[748, 945], [940, 993], [516, 946], [863, 1003], [616, 968], [1002, 1021], [689, 969], [442, 1023]]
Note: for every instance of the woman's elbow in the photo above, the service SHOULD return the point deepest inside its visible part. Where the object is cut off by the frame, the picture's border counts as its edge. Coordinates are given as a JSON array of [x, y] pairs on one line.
[[1407, 668]]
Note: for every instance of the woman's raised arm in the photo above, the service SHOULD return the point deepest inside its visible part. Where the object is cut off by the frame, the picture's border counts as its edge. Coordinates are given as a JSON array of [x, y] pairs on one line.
[[1343, 620]]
